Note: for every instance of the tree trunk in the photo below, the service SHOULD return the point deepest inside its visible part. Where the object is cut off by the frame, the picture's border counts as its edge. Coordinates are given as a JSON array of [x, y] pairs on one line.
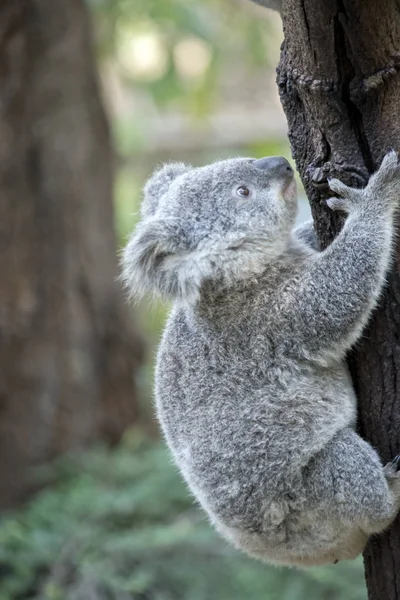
[[340, 89], [67, 350]]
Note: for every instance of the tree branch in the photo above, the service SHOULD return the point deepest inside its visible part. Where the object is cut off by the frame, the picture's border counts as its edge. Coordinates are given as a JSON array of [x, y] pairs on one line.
[[340, 88]]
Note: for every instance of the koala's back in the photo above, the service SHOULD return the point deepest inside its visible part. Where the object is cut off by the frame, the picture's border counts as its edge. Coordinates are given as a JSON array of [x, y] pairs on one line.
[[243, 421]]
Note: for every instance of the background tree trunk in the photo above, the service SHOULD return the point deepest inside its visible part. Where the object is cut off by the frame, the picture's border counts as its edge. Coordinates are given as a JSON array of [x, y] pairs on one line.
[[340, 89], [67, 351]]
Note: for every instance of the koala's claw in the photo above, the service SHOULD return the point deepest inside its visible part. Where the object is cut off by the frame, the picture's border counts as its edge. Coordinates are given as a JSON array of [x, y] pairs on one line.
[[379, 185], [337, 204], [340, 188], [392, 468], [390, 160], [396, 462], [346, 196]]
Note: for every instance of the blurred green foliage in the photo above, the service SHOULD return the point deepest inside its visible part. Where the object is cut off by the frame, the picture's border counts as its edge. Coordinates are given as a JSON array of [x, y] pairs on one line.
[[120, 525], [144, 41], [165, 25]]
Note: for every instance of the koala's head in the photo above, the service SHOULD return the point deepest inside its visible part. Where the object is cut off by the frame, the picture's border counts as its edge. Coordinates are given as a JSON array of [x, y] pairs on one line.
[[222, 222]]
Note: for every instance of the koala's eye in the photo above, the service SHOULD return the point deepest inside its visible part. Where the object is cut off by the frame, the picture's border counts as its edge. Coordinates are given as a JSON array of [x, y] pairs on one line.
[[243, 191]]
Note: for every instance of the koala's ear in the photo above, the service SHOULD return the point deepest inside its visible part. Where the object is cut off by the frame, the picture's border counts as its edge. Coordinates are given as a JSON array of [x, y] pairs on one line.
[[157, 258], [158, 185]]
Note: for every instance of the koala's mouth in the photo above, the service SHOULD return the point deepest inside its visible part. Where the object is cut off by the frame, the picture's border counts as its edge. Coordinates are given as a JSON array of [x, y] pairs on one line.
[[289, 189]]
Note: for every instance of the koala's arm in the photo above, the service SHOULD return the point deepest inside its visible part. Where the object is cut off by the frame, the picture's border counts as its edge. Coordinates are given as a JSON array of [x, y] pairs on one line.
[[333, 299], [306, 233]]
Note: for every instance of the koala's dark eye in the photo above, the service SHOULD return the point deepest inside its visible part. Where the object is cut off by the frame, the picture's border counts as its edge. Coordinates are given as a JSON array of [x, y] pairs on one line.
[[243, 191]]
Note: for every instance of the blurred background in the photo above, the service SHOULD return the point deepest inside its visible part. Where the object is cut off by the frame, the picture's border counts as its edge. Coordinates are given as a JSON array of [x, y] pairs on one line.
[[93, 96]]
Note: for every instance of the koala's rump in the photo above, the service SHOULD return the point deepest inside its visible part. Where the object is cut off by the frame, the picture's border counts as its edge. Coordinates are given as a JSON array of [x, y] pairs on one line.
[[241, 443]]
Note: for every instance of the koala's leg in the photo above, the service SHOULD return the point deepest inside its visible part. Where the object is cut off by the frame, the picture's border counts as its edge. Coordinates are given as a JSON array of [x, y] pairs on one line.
[[333, 299], [353, 489]]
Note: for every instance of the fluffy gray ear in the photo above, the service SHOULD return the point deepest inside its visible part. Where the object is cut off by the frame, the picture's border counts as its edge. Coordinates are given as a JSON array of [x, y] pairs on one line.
[[157, 259], [158, 185]]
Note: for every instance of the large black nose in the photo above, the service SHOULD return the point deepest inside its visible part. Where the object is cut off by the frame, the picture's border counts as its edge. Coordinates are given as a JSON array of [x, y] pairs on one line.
[[275, 165]]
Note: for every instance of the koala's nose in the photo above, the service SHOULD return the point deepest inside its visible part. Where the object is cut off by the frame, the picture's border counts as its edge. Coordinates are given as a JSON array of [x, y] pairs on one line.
[[274, 164]]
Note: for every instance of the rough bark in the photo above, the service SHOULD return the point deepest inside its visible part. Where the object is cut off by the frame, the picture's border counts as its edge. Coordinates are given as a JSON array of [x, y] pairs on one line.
[[340, 89], [67, 350]]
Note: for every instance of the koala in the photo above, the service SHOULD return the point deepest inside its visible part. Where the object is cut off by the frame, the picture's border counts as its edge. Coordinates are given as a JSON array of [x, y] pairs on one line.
[[252, 389]]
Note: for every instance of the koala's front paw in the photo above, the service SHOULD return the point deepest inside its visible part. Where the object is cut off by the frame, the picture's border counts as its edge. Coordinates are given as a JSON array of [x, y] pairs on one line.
[[385, 183], [388, 171], [393, 467], [383, 188], [347, 198], [392, 474]]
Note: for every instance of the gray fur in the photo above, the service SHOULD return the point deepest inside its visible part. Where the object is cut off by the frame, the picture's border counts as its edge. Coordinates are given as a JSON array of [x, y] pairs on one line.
[[307, 234], [252, 390]]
